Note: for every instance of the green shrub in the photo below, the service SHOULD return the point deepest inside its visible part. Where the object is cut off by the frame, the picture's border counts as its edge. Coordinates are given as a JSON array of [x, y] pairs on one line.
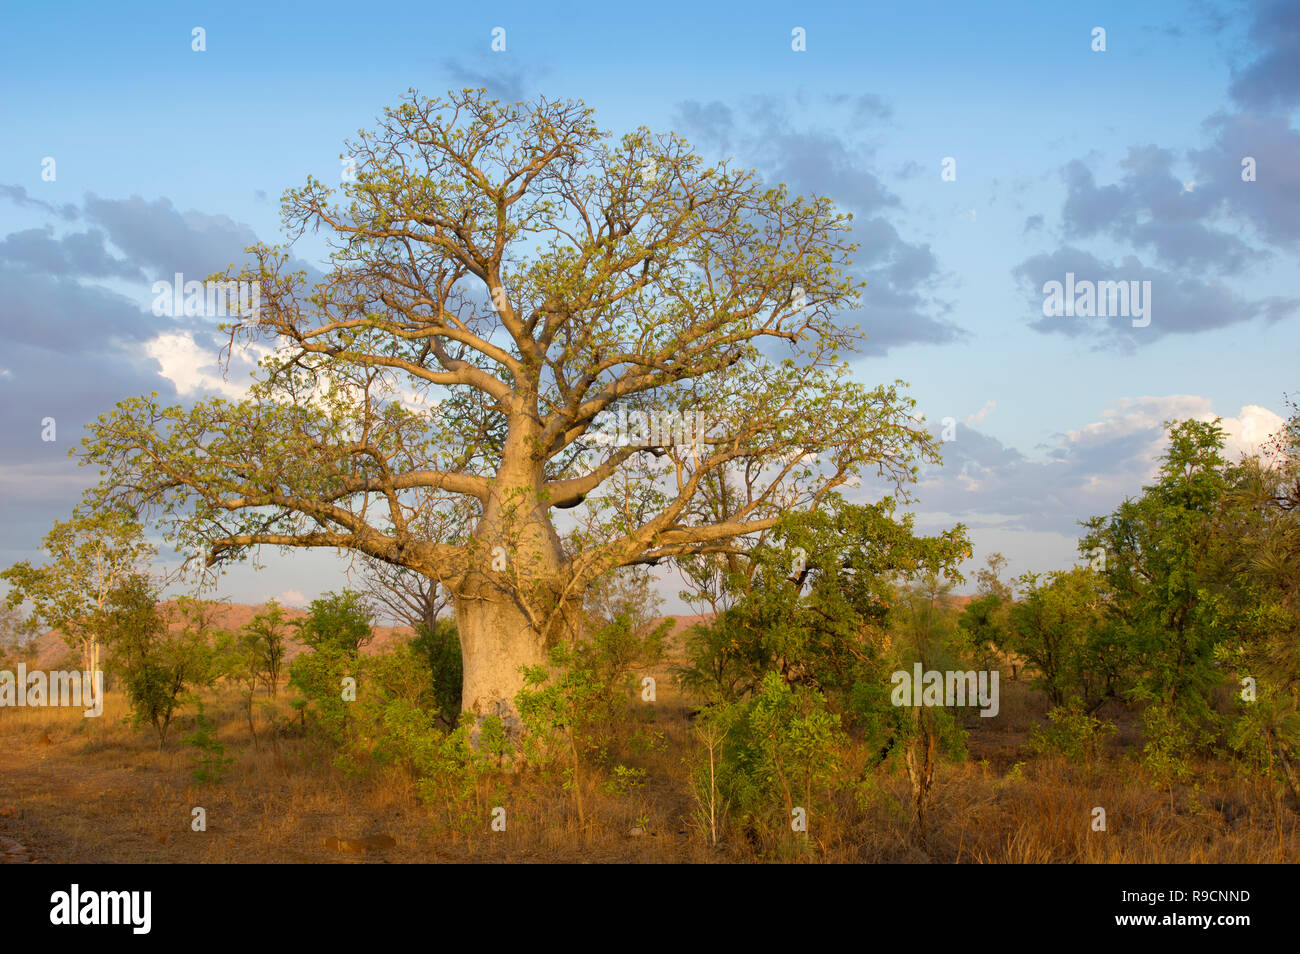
[[440, 646], [782, 749], [210, 759], [1072, 733]]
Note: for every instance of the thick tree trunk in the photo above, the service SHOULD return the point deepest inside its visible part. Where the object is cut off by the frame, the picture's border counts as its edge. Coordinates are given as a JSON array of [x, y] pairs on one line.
[[496, 640], [516, 562]]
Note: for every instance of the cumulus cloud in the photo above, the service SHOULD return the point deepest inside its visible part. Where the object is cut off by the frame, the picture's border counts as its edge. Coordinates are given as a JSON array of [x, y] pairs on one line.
[[1179, 303], [292, 598], [1272, 77], [1201, 216], [198, 369], [1081, 472], [899, 304]]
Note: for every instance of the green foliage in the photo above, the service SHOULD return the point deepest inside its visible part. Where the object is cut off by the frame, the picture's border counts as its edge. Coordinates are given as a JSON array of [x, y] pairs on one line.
[[1072, 733], [91, 555], [1158, 550], [781, 749], [625, 780], [1172, 743], [1064, 628], [210, 759], [440, 646], [263, 638], [17, 635], [157, 663], [986, 618], [1257, 568], [562, 707], [341, 622], [813, 605], [395, 708], [451, 770]]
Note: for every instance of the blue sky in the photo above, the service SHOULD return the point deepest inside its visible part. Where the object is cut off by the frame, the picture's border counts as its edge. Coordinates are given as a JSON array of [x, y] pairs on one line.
[[1118, 165]]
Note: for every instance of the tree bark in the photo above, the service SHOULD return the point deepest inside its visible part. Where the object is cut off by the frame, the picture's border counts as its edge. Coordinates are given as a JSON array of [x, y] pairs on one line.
[[506, 602], [496, 640]]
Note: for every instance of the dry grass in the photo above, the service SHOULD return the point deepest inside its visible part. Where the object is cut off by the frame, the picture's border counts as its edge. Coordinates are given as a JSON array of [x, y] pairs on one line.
[[97, 790]]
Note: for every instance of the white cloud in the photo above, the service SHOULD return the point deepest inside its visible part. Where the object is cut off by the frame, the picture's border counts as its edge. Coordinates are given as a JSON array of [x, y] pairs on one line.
[[979, 416], [1250, 430], [1130, 415], [198, 370], [1083, 472], [292, 598]]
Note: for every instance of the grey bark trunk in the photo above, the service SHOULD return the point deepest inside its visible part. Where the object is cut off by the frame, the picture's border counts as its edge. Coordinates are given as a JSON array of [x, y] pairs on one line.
[[496, 641]]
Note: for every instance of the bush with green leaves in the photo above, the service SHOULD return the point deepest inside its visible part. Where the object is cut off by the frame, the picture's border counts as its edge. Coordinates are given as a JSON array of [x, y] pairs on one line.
[[780, 749], [1063, 625], [1078, 736], [1160, 552], [264, 639], [210, 759], [453, 769], [440, 646], [575, 709], [811, 602], [158, 664], [924, 629], [319, 677], [341, 621], [563, 707]]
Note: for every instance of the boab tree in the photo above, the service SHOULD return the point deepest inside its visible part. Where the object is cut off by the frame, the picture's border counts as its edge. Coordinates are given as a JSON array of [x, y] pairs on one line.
[[540, 353]]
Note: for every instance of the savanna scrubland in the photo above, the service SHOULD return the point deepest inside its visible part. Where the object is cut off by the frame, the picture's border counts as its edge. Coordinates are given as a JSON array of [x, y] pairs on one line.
[[1156, 681], [545, 367]]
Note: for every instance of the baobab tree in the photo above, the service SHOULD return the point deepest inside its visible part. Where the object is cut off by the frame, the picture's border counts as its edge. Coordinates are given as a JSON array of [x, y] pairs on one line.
[[565, 351]]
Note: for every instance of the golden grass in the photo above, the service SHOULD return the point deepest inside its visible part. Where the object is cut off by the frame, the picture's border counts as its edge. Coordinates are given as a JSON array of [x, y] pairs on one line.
[[100, 791]]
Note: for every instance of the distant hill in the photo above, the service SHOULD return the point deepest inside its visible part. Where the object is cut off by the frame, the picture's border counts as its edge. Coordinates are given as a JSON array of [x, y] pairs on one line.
[[52, 651]]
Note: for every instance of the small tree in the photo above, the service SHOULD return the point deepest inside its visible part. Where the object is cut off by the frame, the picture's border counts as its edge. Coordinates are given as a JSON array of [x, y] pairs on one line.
[[1257, 569], [158, 663], [780, 751], [91, 555], [925, 628], [17, 633], [239, 660], [264, 639], [986, 617], [563, 707], [1063, 627], [341, 621], [1160, 550]]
